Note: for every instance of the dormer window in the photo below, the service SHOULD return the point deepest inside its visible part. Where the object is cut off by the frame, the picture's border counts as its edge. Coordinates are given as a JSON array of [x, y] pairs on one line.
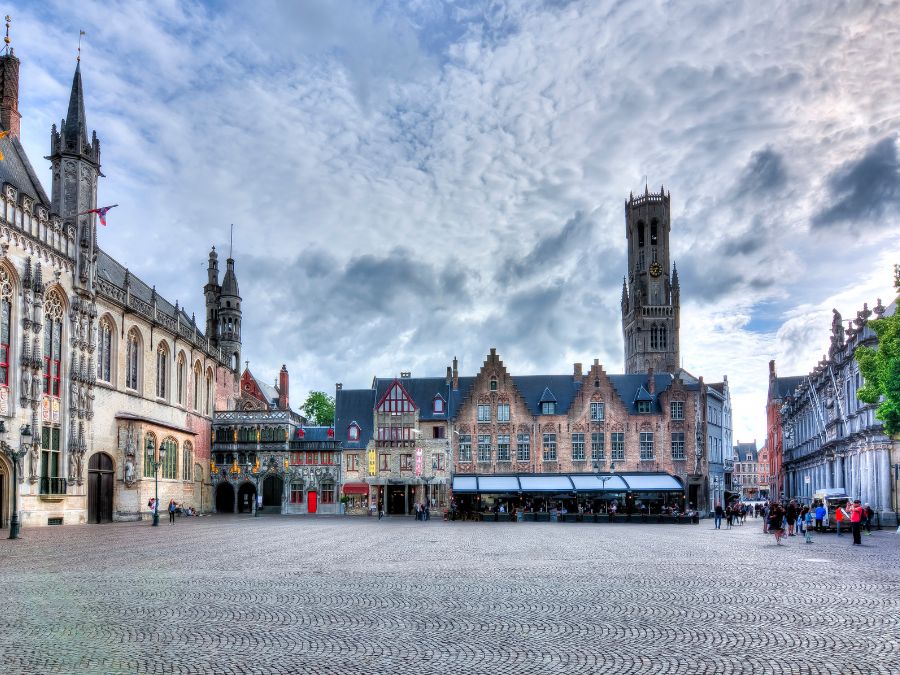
[[439, 406], [353, 432], [548, 408], [643, 407]]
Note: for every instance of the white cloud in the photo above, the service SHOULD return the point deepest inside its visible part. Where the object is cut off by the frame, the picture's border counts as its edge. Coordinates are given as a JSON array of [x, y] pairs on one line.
[[387, 166]]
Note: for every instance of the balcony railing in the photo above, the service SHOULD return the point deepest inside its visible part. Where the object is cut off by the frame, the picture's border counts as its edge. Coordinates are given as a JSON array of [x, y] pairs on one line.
[[52, 486]]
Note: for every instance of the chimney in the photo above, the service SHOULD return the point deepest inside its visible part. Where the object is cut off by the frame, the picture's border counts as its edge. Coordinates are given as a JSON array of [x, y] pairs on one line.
[[9, 93], [455, 374], [449, 375], [651, 384], [405, 374], [577, 374], [338, 386], [283, 388]]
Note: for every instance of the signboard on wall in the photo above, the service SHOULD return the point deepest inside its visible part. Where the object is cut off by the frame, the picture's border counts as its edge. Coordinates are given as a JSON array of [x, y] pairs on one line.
[[418, 461], [372, 465]]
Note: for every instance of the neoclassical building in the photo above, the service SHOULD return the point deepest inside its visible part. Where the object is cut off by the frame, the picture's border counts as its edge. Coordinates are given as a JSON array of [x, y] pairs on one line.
[[831, 438], [117, 384]]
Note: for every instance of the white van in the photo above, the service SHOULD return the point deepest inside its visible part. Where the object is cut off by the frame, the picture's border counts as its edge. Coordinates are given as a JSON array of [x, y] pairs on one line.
[[832, 499]]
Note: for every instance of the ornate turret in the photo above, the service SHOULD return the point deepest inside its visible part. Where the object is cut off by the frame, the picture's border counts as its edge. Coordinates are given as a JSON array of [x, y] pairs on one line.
[[230, 316], [211, 292]]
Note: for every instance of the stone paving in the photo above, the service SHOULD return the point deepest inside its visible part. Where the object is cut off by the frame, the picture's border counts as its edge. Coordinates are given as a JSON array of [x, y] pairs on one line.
[[354, 595]]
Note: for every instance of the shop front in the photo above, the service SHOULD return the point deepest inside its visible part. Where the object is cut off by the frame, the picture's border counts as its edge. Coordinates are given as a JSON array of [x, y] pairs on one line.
[[569, 497]]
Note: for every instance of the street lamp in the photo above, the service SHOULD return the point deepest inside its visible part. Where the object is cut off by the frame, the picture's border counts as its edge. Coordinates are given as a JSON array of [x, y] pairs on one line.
[[155, 462], [15, 456]]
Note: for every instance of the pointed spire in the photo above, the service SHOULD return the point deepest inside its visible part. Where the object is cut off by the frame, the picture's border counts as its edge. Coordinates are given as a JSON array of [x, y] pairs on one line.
[[624, 289], [75, 127], [674, 275]]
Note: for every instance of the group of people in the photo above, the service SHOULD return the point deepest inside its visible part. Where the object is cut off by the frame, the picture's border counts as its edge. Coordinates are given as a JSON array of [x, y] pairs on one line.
[[423, 512], [789, 519], [735, 513], [173, 508]]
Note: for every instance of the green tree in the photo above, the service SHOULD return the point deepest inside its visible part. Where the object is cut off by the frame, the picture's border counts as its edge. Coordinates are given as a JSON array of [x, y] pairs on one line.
[[318, 408], [881, 369]]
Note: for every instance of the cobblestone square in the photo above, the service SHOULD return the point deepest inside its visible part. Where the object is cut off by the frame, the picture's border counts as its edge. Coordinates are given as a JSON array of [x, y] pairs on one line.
[[344, 595]]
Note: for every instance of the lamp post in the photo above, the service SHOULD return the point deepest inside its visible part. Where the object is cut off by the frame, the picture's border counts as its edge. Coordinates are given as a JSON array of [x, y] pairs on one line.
[[15, 456], [158, 457]]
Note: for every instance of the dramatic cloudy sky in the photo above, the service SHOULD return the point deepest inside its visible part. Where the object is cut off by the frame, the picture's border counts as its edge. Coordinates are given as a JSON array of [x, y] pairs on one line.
[[413, 181]]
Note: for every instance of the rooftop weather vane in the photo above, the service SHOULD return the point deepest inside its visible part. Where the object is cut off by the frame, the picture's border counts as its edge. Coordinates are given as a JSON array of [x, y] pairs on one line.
[[81, 34]]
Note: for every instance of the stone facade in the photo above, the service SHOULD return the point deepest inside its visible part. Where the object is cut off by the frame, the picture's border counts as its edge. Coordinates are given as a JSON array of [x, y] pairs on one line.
[[93, 360], [831, 438]]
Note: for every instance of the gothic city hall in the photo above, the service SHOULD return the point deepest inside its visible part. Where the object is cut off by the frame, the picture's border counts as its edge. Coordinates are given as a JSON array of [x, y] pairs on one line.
[[108, 386]]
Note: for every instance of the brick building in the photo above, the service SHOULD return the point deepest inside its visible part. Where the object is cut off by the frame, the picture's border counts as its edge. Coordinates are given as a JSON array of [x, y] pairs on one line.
[[779, 389]]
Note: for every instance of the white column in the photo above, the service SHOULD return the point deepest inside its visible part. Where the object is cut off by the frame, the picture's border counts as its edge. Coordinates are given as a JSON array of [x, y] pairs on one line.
[[884, 480], [865, 476], [838, 472]]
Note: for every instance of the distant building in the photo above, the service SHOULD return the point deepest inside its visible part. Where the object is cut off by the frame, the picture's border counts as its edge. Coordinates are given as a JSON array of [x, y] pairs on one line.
[[779, 389], [746, 471], [762, 467]]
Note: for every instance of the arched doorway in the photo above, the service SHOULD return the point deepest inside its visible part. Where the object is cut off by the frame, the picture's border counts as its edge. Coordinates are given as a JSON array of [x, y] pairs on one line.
[[100, 488], [5, 487], [225, 498], [246, 495], [273, 488]]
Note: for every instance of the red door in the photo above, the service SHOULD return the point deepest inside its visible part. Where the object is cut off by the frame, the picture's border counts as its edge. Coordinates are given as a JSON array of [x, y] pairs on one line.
[[311, 502]]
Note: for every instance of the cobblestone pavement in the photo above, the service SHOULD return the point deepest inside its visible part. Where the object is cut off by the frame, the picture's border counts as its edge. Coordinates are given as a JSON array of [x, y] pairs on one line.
[[304, 595]]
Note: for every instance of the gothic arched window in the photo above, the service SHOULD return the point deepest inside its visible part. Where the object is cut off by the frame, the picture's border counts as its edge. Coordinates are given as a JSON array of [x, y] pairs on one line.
[[209, 392], [198, 373], [53, 315], [162, 370], [168, 465], [180, 374], [654, 336], [104, 350], [6, 296], [149, 454], [133, 360], [187, 460], [662, 337]]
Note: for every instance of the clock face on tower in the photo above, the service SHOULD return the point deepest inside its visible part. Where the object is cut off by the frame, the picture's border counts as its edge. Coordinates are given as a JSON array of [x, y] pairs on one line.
[[655, 269]]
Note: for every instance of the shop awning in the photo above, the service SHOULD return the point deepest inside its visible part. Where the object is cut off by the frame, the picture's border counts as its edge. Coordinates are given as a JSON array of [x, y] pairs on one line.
[[356, 488], [559, 483], [651, 482], [465, 484], [498, 484], [593, 483]]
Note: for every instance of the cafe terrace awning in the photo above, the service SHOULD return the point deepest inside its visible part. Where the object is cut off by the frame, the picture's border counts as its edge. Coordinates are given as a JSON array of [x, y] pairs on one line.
[[356, 488], [561, 483]]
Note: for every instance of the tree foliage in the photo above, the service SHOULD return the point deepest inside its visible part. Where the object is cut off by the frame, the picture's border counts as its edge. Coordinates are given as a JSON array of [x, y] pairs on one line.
[[318, 408], [881, 369]]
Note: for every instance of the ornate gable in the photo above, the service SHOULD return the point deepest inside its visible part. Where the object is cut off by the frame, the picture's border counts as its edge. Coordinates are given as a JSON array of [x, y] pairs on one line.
[[250, 392], [396, 400]]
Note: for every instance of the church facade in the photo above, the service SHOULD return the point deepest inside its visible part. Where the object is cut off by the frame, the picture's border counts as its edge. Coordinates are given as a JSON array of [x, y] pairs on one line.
[[115, 385]]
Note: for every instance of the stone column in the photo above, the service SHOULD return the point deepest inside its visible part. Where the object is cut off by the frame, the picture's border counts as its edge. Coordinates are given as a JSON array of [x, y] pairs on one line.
[[838, 472], [884, 481]]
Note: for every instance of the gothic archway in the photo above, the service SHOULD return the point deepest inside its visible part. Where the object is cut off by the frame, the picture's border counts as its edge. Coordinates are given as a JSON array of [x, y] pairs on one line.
[[225, 498], [5, 492], [100, 488]]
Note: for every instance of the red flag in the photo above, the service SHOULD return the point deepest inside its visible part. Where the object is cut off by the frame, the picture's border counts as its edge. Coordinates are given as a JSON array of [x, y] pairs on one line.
[[101, 213]]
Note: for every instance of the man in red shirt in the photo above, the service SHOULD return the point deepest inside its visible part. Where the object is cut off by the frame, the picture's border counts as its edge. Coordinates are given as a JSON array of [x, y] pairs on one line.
[[856, 516]]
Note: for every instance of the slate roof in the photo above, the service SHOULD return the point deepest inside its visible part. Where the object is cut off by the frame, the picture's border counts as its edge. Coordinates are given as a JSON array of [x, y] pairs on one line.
[[316, 435], [547, 396], [16, 170], [533, 387], [354, 405], [113, 271], [741, 450], [628, 386], [270, 392], [643, 395], [784, 386]]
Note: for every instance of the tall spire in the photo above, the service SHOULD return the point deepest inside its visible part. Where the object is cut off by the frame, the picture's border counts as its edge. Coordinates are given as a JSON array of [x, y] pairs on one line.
[[75, 127]]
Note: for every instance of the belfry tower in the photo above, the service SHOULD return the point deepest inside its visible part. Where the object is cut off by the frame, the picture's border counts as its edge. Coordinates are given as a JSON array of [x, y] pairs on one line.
[[650, 295]]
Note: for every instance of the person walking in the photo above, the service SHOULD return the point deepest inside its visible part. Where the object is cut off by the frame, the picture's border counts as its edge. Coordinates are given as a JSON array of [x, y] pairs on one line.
[[820, 517], [171, 512], [718, 515], [380, 510], [868, 514], [807, 525], [765, 518], [791, 515], [856, 516], [776, 522]]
